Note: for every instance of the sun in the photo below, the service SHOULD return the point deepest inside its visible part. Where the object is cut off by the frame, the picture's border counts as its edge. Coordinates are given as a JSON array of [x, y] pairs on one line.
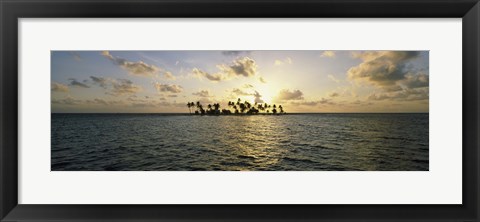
[[267, 92]]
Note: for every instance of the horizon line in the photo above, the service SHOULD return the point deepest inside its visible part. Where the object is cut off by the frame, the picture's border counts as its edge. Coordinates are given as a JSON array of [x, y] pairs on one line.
[[292, 113]]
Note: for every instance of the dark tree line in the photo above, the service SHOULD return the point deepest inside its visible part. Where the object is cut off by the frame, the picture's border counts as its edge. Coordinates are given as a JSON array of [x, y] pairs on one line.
[[235, 108]]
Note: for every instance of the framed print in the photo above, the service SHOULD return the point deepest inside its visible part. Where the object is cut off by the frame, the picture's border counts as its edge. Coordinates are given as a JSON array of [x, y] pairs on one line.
[[165, 98], [225, 110]]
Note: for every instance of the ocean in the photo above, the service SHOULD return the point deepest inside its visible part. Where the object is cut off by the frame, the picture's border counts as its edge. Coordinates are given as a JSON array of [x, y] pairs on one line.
[[293, 142]]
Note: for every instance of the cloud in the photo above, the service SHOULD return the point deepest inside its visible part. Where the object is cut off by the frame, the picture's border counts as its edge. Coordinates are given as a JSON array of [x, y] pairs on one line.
[[381, 68], [139, 68], [123, 86], [322, 101], [258, 97], [168, 88], [102, 82], [331, 77], [169, 75], [145, 103], [286, 94], [247, 86], [69, 100], [391, 72], [394, 56], [392, 88], [361, 103], [212, 77], [309, 103], [328, 54], [240, 67], [58, 87], [132, 101], [262, 80], [107, 54], [75, 83], [240, 92], [142, 103], [235, 53], [98, 101], [416, 81], [287, 60], [116, 87], [325, 101], [203, 93], [404, 95], [334, 94]]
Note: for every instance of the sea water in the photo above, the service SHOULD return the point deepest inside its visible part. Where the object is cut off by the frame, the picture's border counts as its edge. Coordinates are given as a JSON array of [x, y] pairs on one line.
[[298, 142]]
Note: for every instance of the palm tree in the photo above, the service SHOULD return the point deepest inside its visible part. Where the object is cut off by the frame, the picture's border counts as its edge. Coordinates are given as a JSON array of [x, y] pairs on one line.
[[235, 108], [260, 107], [248, 105], [239, 108], [199, 107], [242, 107]]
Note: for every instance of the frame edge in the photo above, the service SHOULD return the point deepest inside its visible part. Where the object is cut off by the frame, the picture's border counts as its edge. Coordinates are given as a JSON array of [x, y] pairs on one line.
[[9, 114]]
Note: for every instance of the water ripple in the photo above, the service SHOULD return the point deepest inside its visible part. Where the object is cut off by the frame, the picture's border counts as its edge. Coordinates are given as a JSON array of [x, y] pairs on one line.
[[292, 142]]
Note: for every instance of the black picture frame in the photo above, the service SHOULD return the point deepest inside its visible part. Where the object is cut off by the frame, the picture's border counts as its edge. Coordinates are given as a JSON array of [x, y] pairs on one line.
[[12, 10]]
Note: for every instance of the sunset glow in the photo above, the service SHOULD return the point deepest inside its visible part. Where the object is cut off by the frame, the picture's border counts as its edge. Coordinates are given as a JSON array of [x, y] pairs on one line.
[[302, 81]]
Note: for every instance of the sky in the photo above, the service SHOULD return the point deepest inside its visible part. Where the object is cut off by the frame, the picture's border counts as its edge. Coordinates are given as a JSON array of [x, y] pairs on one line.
[[299, 80]]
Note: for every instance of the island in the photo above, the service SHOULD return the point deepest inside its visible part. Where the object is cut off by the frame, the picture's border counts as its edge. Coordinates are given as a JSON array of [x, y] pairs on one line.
[[235, 108]]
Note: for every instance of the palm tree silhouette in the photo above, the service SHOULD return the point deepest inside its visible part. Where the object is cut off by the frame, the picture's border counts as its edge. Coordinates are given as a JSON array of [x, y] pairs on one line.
[[239, 108], [260, 107], [248, 105], [242, 107]]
